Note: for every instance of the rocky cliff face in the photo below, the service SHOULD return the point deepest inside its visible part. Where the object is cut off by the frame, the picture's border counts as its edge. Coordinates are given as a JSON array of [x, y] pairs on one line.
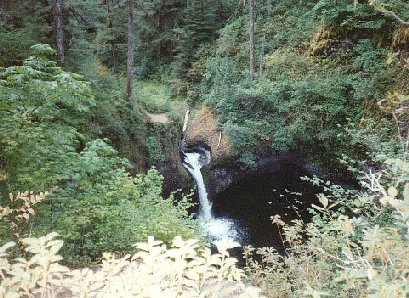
[[203, 132], [175, 175], [223, 170], [221, 176]]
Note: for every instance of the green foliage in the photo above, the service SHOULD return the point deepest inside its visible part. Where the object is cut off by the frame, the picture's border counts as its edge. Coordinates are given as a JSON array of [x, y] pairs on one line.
[[156, 21], [305, 93], [155, 150], [155, 270], [372, 142], [219, 73], [195, 33], [370, 75], [297, 107], [42, 107], [113, 118], [198, 26], [95, 203], [347, 14], [356, 245], [101, 208], [22, 24], [289, 24], [395, 9], [154, 96]]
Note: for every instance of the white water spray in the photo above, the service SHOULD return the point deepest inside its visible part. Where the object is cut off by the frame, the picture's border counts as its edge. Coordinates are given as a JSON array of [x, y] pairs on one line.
[[215, 228], [193, 164]]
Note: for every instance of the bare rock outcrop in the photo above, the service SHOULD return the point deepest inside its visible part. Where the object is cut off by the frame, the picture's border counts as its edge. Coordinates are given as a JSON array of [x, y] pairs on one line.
[[203, 131]]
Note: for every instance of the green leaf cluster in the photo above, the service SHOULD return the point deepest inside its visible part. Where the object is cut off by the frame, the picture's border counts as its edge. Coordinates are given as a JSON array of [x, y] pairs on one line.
[[42, 108], [108, 210], [356, 244]]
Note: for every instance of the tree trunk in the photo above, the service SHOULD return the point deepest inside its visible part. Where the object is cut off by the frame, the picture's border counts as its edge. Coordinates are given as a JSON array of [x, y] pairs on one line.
[[131, 49], [110, 7], [260, 70], [59, 32], [251, 35]]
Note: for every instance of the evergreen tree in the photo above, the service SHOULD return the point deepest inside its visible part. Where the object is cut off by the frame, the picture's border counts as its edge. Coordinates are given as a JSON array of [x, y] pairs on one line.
[[199, 26], [59, 30], [131, 50], [156, 20], [23, 24], [251, 39]]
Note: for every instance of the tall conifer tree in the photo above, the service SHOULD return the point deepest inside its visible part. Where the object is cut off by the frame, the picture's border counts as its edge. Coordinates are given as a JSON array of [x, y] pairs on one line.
[[131, 50], [59, 30], [251, 39]]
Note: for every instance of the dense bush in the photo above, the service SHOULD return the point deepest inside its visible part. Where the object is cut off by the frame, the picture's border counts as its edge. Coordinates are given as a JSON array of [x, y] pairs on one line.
[[357, 244], [22, 24], [108, 211], [296, 108], [154, 271], [42, 109]]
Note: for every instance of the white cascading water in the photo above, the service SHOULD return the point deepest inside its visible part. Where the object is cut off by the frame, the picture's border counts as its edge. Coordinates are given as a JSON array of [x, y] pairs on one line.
[[215, 228], [193, 165]]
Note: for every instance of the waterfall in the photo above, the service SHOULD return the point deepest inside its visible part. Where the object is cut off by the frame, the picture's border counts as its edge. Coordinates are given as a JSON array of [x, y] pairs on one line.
[[193, 163], [215, 228]]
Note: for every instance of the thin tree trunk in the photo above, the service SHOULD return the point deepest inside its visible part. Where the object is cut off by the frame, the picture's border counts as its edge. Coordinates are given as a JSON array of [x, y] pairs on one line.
[[251, 37], [110, 7], [59, 31], [260, 70], [114, 57], [131, 49]]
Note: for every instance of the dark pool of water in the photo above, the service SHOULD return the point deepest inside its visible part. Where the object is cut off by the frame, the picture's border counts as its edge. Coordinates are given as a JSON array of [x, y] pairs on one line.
[[254, 199]]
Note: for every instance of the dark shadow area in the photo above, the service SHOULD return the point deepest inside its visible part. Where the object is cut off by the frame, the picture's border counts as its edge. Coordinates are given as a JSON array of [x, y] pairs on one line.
[[274, 190]]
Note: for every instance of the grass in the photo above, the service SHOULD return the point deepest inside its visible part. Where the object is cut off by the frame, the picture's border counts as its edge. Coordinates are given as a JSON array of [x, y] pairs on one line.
[[155, 97]]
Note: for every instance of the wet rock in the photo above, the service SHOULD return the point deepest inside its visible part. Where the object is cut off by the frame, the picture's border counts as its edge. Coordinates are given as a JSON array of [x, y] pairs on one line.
[[219, 178], [175, 178]]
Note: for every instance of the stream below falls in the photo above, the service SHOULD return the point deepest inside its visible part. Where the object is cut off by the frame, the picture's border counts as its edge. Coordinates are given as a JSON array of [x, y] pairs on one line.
[[216, 228], [243, 211]]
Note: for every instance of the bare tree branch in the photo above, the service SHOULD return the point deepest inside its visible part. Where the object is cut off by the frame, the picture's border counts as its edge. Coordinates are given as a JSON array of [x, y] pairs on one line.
[[380, 8]]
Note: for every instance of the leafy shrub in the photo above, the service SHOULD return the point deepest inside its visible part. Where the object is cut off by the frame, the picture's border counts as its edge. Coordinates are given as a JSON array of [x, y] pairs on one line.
[[22, 24], [154, 271], [154, 150], [356, 245], [153, 96], [295, 108], [42, 108], [102, 208], [17, 212], [95, 203]]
